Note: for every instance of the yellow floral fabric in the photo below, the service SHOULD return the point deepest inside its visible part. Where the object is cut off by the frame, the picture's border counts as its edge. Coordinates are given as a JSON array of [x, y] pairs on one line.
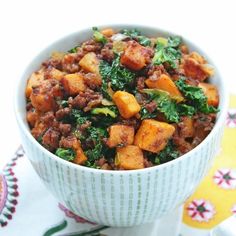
[[215, 198]]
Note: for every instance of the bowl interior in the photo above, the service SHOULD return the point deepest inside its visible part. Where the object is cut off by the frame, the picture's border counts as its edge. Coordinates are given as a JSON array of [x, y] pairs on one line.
[[74, 39]]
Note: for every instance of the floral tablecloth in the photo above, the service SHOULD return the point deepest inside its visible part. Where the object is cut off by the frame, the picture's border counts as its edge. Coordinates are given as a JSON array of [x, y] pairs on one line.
[[26, 208]]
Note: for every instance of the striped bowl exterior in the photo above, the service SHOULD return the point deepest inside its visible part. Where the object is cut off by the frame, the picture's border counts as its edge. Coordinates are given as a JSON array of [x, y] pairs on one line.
[[118, 198]]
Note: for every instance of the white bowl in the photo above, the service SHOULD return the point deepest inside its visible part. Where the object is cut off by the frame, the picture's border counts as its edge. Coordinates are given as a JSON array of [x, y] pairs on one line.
[[119, 198]]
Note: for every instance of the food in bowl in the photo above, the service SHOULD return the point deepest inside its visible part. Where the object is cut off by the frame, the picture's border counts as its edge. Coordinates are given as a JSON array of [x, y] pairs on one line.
[[122, 101]]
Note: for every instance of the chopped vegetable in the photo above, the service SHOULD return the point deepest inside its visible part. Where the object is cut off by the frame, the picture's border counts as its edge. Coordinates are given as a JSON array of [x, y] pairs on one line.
[[126, 103], [151, 133], [167, 53], [98, 36], [195, 96], [211, 93], [90, 63], [120, 135], [103, 110], [187, 129], [129, 158], [78, 116], [167, 154], [136, 35], [186, 110], [73, 83], [135, 56], [108, 32], [96, 135], [119, 77], [80, 157], [165, 83], [66, 153], [145, 114], [164, 104], [35, 79]]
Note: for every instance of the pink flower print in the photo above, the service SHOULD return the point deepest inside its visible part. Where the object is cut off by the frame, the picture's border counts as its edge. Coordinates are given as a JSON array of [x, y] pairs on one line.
[[233, 209], [231, 118], [225, 178], [201, 210], [70, 214]]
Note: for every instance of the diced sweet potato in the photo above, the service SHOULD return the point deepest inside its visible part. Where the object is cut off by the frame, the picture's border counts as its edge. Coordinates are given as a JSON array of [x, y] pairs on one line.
[[126, 103], [90, 63], [54, 73], [120, 135], [187, 129], [32, 117], [73, 143], [195, 70], [38, 130], [153, 135], [93, 79], [108, 32], [135, 56], [34, 80], [200, 59], [211, 93], [73, 84], [43, 97], [129, 158], [164, 82], [80, 157]]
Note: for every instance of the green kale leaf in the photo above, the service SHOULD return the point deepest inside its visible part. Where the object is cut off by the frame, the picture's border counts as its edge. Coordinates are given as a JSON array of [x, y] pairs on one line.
[[65, 153], [165, 104], [195, 96], [145, 114], [119, 77], [167, 52], [79, 116], [167, 154], [185, 110], [95, 135], [136, 35], [73, 50]]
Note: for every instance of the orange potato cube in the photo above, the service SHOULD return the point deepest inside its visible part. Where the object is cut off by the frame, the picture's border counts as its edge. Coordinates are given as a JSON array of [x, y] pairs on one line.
[[73, 83], [90, 63], [32, 117], [80, 157], [38, 130], [55, 74], [108, 32], [135, 56], [129, 158], [164, 82], [153, 135], [126, 103], [211, 93], [187, 129], [200, 59], [195, 70], [34, 80], [44, 96], [120, 135], [95, 79]]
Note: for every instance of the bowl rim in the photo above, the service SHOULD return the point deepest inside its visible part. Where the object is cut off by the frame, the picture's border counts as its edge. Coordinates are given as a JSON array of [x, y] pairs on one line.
[[219, 122]]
